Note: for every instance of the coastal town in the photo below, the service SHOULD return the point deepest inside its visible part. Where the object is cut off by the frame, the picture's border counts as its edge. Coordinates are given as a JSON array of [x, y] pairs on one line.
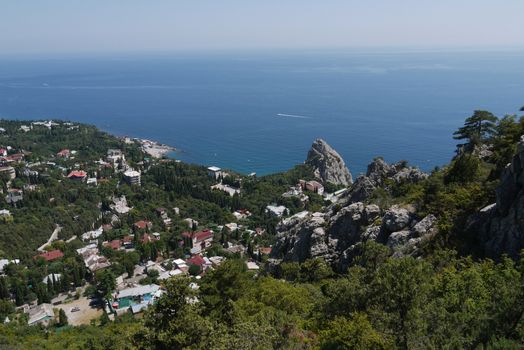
[[118, 265]]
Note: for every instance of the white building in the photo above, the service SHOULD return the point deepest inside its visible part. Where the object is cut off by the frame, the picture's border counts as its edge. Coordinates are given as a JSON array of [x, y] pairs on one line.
[[226, 188], [120, 205], [93, 234], [114, 155], [132, 177], [214, 171], [41, 314], [277, 211]]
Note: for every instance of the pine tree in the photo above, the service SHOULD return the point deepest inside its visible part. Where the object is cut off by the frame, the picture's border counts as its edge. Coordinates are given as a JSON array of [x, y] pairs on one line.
[[477, 128]]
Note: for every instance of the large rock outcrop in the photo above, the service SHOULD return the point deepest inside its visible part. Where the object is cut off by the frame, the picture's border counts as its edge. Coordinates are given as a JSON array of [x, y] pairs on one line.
[[501, 225], [336, 235], [328, 165], [378, 174]]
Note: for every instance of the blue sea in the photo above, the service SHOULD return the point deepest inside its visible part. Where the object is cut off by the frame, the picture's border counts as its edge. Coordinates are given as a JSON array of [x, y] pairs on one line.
[[260, 111]]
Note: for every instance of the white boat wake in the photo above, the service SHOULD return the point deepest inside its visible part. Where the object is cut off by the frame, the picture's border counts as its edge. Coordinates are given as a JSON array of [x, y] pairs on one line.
[[293, 116]]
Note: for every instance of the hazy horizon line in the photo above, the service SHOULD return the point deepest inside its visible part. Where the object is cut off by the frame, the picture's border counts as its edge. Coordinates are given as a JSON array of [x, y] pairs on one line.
[[390, 49]]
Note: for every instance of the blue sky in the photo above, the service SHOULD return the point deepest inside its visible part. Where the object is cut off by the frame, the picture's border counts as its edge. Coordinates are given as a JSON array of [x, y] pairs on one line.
[[76, 26]]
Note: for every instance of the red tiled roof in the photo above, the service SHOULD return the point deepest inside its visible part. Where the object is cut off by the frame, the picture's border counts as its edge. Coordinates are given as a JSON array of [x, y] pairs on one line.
[[114, 244], [63, 153], [199, 236], [15, 157], [265, 250], [77, 174], [51, 255], [142, 224], [196, 260]]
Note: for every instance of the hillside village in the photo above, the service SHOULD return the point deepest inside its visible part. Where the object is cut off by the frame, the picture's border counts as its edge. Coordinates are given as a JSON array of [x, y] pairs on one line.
[[134, 237]]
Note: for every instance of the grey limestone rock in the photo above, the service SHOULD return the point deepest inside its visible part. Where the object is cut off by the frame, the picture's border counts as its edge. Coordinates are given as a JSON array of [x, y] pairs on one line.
[[328, 165]]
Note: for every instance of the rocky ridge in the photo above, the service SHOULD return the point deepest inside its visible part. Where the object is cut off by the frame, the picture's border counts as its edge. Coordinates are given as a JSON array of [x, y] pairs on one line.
[[336, 233], [378, 174]]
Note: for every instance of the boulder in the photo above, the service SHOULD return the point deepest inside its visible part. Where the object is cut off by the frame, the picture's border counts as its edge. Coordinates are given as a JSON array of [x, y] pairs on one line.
[[396, 219], [409, 175], [371, 213], [399, 238], [425, 226], [361, 190]]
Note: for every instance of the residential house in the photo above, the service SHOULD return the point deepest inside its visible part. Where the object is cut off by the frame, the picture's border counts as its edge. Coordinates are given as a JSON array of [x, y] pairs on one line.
[[216, 260], [136, 298], [93, 234], [251, 265], [162, 212], [181, 264], [241, 214], [264, 250], [17, 157], [65, 153], [313, 186], [50, 255], [4, 213], [197, 260], [132, 177], [191, 223], [127, 242], [120, 205], [199, 240], [232, 227], [147, 238], [8, 171], [115, 244], [226, 188], [142, 225], [115, 155], [77, 175], [5, 262], [92, 260], [41, 314], [14, 195]]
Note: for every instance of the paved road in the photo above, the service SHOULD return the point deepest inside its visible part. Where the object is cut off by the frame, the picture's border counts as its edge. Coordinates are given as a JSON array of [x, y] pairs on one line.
[[54, 237]]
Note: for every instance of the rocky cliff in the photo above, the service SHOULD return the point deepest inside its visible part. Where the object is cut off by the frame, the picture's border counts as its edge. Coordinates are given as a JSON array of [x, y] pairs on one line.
[[500, 226], [328, 164], [336, 233], [378, 174], [335, 236]]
